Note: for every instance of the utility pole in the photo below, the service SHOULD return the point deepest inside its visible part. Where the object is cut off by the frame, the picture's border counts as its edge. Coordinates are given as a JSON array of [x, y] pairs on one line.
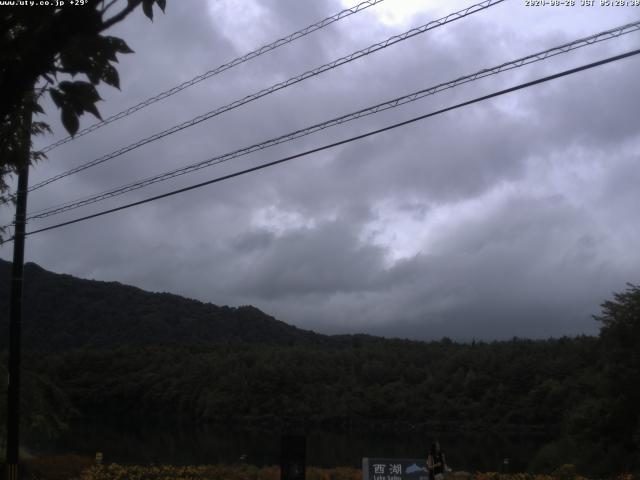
[[15, 309]]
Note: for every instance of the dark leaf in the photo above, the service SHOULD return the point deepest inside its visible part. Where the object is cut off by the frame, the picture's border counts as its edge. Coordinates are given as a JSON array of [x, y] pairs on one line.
[[93, 76], [36, 156], [147, 8], [92, 109], [162, 4], [57, 97], [105, 49], [75, 58], [66, 86], [70, 120], [119, 44], [81, 90], [40, 127], [37, 108], [81, 97], [110, 76]]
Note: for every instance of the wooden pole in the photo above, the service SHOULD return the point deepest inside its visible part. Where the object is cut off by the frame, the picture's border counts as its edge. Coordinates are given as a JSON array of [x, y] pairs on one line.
[[15, 308]]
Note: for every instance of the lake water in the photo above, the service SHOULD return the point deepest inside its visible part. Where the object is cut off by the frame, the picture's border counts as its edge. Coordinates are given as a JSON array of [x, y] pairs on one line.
[[180, 444]]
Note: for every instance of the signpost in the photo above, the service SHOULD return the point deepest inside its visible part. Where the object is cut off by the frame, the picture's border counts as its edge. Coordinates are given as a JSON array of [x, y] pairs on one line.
[[394, 469]]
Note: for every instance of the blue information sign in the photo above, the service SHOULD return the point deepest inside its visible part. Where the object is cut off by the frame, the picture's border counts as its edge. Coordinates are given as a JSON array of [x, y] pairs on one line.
[[394, 469]]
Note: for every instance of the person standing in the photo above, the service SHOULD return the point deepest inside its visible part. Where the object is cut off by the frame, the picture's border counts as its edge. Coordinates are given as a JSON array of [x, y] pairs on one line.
[[436, 462]]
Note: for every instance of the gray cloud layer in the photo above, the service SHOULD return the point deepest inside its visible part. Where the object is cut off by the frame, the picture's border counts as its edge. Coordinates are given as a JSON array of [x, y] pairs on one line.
[[510, 218]]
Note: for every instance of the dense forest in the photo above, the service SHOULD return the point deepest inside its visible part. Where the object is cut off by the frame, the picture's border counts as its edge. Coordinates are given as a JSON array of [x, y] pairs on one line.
[[97, 349]]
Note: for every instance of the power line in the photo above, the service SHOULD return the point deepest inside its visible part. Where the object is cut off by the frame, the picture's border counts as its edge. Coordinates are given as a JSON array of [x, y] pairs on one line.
[[278, 86], [348, 140], [226, 66], [396, 102]]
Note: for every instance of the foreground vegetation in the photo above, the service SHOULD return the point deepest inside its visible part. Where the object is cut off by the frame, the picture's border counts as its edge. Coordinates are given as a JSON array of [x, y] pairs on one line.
[[244, 472], [59, 469]]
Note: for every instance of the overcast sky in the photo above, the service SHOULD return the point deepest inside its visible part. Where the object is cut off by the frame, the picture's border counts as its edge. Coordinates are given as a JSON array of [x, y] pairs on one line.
[[514, 217]]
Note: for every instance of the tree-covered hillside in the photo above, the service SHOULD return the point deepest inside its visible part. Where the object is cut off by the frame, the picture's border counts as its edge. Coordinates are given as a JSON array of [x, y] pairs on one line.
[[63, 312], [352, 382]]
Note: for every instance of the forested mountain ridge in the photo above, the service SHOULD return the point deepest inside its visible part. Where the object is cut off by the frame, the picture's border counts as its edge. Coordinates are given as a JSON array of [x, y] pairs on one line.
[[115, 349], [64, 312]]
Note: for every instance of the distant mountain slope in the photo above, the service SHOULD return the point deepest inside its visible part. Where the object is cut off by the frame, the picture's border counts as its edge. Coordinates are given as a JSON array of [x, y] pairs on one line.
[[62, 312]]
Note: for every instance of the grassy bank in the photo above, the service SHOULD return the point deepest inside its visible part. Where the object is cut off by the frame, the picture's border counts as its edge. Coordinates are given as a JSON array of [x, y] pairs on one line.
[[248, 472], [75, 467]]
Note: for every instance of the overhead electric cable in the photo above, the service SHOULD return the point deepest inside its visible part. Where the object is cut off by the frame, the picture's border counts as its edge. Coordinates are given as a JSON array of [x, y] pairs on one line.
[[345, 141], [396, 102], [278, 86], [226, 66]]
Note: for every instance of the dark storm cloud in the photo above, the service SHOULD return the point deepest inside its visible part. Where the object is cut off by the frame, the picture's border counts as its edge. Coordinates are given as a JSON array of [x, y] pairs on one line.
[[253, 241], [323, 260], [510, 217], [513, 272]]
